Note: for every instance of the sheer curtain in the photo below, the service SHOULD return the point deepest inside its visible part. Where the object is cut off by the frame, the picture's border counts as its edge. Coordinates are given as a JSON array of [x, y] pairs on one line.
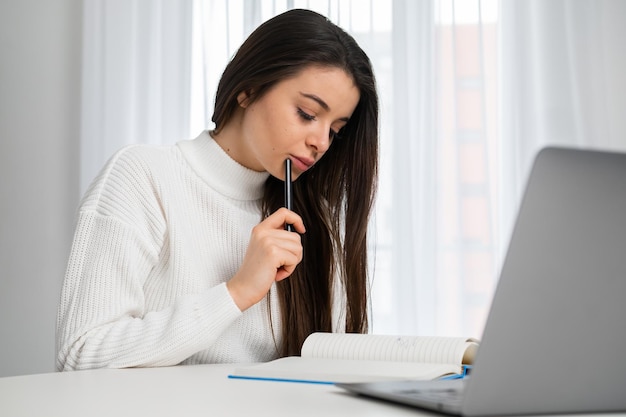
[[135, 78], [470, 90], [563, 66], [437, 239]]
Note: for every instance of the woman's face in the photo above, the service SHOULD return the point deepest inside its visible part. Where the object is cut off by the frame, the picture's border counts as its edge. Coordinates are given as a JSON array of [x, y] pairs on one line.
[[296, 119]]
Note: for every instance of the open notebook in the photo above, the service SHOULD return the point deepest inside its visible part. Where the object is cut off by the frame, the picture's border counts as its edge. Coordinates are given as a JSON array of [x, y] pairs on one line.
[[337, 357]]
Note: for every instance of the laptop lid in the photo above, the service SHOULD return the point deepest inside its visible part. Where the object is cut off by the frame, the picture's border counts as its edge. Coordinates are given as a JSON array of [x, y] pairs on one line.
[[556, 332], [555, 337]]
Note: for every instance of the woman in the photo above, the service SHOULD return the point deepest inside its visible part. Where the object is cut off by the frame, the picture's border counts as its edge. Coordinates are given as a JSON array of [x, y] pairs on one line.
[[180, 253]]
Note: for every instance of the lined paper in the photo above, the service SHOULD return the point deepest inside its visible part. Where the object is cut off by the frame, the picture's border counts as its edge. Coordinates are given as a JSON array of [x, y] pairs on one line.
[[387, 348]]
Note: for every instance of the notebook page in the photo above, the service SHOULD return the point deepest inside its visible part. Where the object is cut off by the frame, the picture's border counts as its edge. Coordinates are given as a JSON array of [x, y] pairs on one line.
[[293, 368], [386, 348]]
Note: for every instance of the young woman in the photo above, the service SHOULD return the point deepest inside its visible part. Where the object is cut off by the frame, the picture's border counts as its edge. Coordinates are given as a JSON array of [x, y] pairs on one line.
[[180, 253]]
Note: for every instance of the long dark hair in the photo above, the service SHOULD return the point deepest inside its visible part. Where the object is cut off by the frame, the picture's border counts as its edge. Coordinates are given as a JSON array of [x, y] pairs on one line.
[[336, 195]]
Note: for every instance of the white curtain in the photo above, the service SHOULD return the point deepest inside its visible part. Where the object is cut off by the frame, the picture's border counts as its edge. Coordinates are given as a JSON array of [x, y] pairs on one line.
[[470, 90], [135, 78], [563, 65], [436, 228]]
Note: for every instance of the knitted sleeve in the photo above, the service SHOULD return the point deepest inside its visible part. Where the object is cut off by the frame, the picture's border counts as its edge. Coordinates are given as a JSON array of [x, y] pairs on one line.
[[102, 320]]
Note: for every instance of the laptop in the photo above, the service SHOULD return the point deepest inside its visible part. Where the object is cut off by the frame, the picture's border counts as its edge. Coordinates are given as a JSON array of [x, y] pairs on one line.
[[555, 337]]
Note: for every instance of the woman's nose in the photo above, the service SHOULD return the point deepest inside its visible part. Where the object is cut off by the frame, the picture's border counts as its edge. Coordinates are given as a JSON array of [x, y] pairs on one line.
[[319, 140]]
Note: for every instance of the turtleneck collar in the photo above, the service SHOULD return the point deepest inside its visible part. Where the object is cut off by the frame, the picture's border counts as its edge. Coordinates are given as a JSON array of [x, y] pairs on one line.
[[220, 171]]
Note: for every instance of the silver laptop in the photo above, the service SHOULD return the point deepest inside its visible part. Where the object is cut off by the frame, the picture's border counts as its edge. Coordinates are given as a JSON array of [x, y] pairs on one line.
[[555, 338]]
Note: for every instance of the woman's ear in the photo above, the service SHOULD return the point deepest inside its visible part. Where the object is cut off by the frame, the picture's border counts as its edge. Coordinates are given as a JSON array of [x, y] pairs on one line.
[[243, 99]]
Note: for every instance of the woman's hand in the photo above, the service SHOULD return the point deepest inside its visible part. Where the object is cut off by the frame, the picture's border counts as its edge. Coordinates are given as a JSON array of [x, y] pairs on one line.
[[272, 255]]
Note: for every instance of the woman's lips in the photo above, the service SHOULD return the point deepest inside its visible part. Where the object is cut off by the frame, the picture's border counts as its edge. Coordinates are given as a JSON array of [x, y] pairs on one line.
[[302, 163]]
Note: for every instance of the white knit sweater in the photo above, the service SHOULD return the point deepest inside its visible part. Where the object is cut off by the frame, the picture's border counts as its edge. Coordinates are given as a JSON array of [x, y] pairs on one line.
[[158, 234]]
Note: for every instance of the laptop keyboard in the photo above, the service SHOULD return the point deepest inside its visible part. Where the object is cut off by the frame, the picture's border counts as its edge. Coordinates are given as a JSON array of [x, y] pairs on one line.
[[452, 396]]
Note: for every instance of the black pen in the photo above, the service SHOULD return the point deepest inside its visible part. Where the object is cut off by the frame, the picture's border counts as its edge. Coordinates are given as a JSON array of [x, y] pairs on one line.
[[288, 191]]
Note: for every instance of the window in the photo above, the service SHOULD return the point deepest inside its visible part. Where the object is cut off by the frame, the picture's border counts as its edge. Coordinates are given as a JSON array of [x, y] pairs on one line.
[[434, 233]]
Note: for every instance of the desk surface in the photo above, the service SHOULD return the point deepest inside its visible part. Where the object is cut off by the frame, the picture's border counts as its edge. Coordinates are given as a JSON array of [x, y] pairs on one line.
[[201, 390]]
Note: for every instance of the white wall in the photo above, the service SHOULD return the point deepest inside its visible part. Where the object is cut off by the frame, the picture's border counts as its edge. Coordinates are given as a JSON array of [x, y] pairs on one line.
[[40, 50]]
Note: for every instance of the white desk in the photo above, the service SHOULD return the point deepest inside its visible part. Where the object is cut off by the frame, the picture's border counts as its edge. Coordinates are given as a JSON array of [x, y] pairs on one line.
[[202, 390]]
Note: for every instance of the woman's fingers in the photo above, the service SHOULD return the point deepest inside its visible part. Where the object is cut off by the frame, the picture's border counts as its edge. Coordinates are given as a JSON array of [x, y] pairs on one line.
[[282, 216], [272, 255]]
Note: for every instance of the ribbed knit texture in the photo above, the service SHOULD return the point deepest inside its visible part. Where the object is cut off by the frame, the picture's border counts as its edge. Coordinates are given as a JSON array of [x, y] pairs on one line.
[[158, 234]]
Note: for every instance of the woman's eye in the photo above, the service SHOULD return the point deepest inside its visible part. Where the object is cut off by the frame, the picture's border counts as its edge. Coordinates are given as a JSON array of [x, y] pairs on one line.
[[305, 115], [332, 134]]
